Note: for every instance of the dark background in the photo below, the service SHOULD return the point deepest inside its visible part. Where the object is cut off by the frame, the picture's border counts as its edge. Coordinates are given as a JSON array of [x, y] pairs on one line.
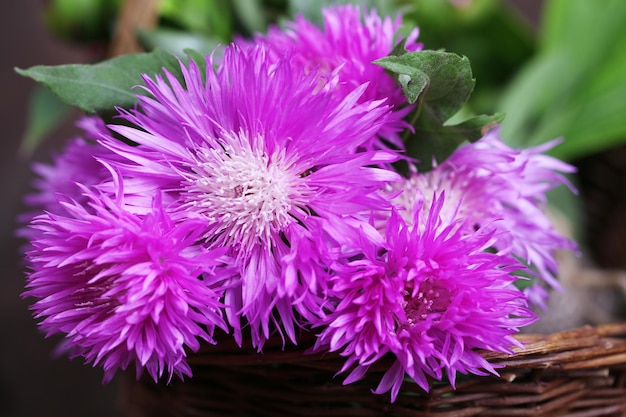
[[34, 383]]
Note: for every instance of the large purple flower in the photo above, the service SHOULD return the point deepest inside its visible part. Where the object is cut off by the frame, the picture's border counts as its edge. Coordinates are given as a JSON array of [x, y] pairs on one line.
[[487, 181], [267, 159], [427, 294], [348, 43], [124, 288]]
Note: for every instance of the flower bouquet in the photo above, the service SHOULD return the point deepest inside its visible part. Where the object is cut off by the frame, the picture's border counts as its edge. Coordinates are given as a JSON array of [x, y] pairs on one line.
[[292, 206]]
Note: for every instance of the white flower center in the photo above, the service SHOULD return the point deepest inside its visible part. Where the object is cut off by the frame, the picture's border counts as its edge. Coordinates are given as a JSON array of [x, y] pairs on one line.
[[246, 196], [421, 187]]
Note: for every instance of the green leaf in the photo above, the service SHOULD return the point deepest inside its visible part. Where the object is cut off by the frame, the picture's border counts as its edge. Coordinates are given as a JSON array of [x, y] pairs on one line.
[[200, 59], [444, 78], [439, 83], [98, 88], [496, 40], [434, 143], [45, 112]]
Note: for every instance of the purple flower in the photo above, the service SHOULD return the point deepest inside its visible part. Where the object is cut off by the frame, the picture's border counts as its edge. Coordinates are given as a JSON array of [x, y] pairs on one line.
[[76, 164], [428, 295], [124, 288], [487, 181], [266, 158], [351, 39]]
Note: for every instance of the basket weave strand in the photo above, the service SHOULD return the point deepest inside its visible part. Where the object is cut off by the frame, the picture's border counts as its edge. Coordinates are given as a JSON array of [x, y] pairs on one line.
[[575, 373]]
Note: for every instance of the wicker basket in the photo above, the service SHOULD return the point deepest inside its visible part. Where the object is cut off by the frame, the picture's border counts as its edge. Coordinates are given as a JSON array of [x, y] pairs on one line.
[[580, 372]]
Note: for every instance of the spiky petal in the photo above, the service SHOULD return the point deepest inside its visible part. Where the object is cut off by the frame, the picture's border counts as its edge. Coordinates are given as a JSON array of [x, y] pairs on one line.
[[429, 296], [123, 288], [272, 164], [351, 38], [77, 163], [487, 181]]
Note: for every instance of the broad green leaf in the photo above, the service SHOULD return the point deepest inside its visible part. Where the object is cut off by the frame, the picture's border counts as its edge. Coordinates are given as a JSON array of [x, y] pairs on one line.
[[439, 83], [434, 143], [45, 112], [445, 80], [98, 88], [496, 40], [200, 59]]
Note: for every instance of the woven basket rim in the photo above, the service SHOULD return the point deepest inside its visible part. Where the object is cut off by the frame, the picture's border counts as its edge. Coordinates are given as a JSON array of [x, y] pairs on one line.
[[577, 373], [582, 347]]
